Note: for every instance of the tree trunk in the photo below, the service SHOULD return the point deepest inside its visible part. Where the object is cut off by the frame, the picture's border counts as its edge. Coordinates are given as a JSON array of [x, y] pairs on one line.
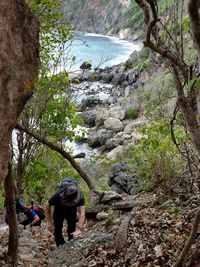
[[189, 109], [11, 217], [19, 61]]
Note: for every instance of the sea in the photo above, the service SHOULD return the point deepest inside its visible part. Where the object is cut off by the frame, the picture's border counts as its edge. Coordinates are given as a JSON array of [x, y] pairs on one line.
[[100, 50]]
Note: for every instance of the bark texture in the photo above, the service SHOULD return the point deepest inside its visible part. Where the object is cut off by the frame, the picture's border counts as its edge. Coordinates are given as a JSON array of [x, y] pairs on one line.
[[11, 218], [19, 61], [193, 9]]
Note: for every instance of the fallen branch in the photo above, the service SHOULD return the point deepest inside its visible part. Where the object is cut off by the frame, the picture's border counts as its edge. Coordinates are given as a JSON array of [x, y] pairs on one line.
[[182, 256], [62, 152]]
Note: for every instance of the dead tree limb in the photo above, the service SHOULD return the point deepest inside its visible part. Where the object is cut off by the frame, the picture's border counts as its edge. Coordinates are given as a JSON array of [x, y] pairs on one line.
[[62, 152], [173, 137]]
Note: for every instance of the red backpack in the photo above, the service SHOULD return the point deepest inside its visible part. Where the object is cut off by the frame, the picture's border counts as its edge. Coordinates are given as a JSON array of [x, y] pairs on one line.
[[39, 210]]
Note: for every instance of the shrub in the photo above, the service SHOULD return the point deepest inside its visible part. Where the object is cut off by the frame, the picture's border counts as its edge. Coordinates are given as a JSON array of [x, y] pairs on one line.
[[132, 113], [155, 157]]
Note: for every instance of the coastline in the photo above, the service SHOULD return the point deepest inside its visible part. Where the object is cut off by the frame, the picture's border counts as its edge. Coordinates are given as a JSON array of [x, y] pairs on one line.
[[102, 51]]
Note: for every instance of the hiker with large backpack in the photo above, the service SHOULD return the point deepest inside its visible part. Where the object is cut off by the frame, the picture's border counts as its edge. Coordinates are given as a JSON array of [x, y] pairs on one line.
[[65, 204]]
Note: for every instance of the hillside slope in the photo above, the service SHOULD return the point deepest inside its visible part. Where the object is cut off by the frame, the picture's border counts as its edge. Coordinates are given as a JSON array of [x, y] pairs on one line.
[[100, 16]]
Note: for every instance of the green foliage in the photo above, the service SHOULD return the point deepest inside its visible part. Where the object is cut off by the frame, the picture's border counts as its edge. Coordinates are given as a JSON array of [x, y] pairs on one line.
[[132, 113], [155, 157], [190, 53], [164, 5], [44, 173], [50, 108], [49, 111], [158, 95], [186, 24], [139, 60], [135, 16], [143, 65]]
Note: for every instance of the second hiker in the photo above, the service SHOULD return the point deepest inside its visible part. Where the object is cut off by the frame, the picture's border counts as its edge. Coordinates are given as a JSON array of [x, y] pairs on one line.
[[66, 204]]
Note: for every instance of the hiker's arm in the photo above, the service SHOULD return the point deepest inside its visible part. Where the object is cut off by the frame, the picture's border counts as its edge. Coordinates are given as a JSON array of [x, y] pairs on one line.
[[36, 218], [81, 219]]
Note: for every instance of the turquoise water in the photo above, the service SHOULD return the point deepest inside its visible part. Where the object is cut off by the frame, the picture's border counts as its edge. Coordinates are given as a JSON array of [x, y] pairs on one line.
[[101, 51]]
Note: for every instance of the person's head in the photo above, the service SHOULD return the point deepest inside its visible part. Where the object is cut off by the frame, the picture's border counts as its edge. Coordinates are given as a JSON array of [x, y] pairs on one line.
[[70, 195], [19, 206]]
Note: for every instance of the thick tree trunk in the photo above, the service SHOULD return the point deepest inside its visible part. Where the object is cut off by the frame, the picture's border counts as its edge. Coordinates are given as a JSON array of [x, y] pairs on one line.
[[193, 9], [11, 217], [19, 60]]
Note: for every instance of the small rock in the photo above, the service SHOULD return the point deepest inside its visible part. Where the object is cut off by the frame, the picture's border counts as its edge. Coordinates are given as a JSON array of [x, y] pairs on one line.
[[102, 216], [109, 196]]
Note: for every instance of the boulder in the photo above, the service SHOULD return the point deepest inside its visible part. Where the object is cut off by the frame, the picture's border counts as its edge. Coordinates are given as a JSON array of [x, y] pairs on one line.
[[112, 143], [102, 216], [110, 196], [89, 102], [132, 76], [99, 138], [119, 167], [133, 124], [117, 112], [117, 78], [106, 77], [89, 117], [129, 127], [113, 124], [115, 153], [120, 181], [102, 114]]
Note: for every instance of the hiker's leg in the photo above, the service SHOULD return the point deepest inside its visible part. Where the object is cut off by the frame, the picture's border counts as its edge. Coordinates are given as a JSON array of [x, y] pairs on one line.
[[26, 222], [58, 225], [37, 223], [71, 221]]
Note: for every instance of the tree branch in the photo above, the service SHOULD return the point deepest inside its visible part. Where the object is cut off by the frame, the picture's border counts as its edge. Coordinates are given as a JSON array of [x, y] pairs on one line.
[[62, 152], [151, 19]]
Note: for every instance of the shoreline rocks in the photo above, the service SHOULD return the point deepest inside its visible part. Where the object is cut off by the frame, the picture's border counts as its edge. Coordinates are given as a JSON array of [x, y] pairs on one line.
[[111, 112], [116, 75]]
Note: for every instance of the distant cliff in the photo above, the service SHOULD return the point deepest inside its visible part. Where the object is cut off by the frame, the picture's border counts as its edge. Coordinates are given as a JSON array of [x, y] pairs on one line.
[[114, 17]]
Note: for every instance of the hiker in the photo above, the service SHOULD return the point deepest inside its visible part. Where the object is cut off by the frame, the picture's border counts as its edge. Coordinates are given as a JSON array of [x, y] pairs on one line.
[[34, 213], [66, 203]]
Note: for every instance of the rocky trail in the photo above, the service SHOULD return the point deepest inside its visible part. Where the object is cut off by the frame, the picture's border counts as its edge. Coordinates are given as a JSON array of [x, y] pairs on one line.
[[125, 228], [121, 231]]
